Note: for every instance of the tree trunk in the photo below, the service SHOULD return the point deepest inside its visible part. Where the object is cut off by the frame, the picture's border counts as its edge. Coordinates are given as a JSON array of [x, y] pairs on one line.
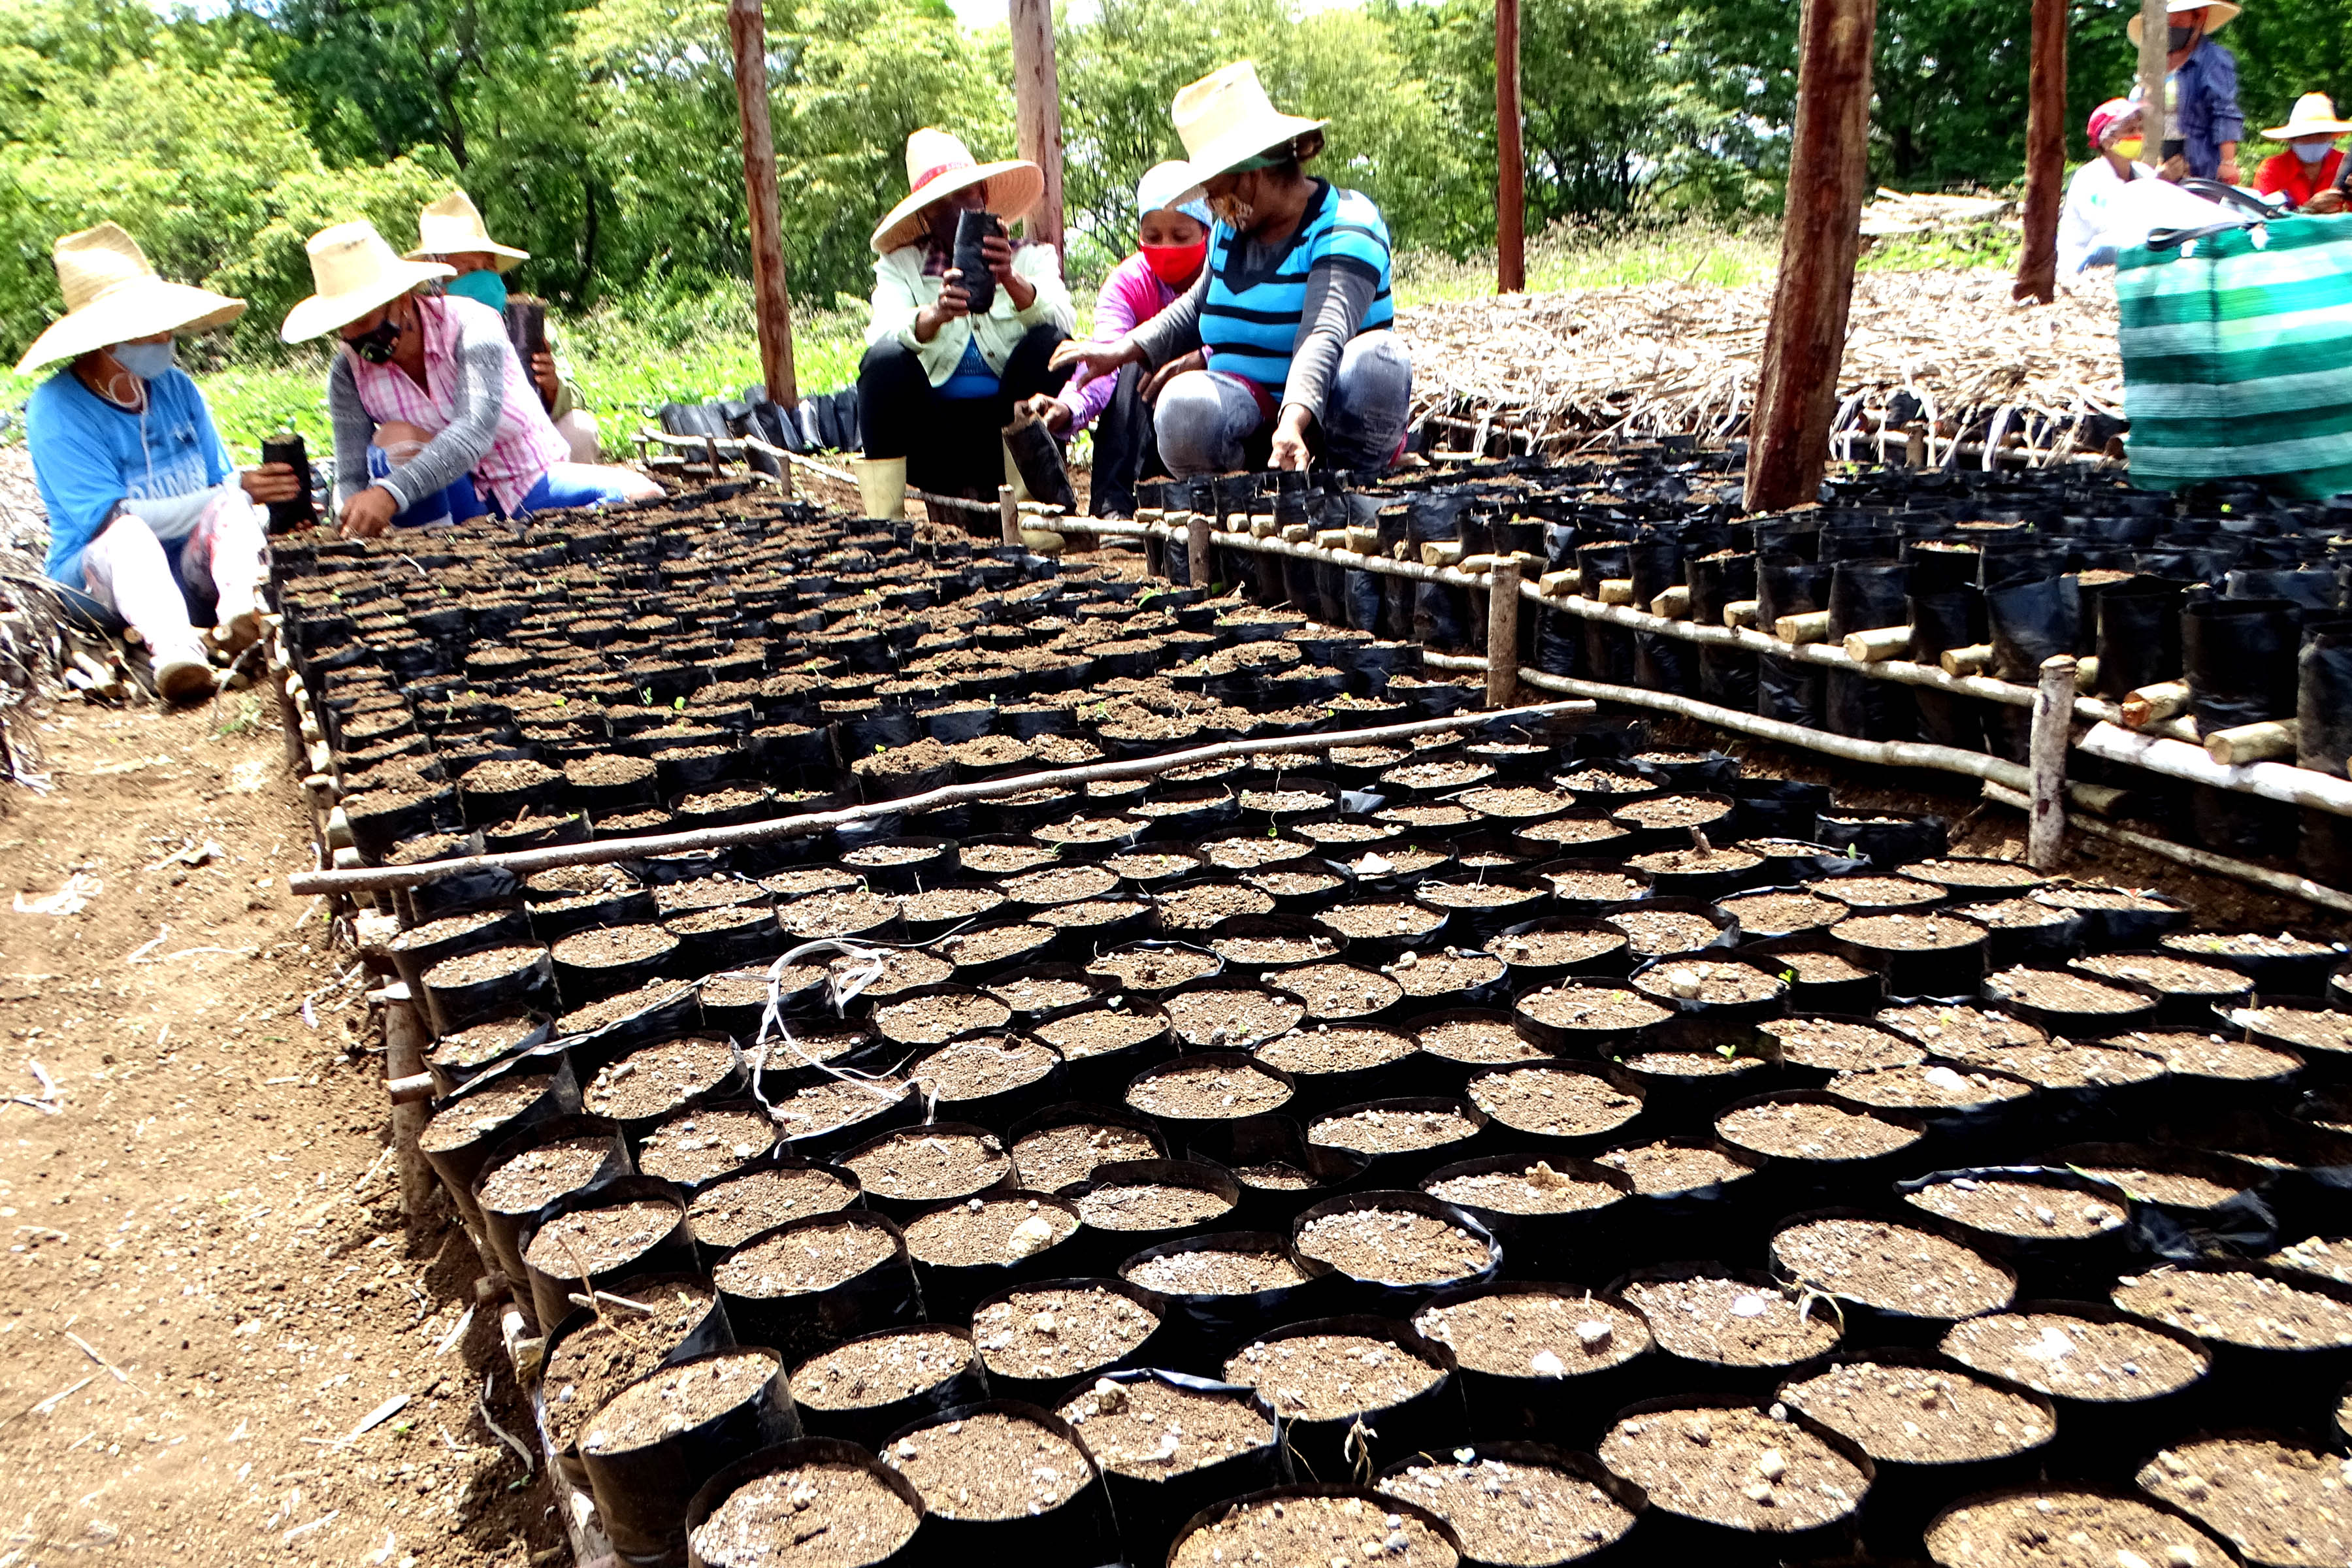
[[1828, 171], [770, 299], [2045, 154], [1037, 111], [1510, 158]]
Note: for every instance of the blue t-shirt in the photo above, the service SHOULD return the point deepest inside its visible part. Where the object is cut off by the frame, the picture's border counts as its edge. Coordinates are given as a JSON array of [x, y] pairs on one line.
[[88, 454]]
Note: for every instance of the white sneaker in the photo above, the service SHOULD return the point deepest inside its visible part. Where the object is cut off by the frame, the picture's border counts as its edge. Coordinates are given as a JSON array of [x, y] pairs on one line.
[[185, 677]]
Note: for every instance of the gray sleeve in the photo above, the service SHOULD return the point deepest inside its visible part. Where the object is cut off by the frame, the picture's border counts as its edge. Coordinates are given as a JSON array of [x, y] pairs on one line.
[[1336, 299], [353, 428], [1176, 330], [479, 397]]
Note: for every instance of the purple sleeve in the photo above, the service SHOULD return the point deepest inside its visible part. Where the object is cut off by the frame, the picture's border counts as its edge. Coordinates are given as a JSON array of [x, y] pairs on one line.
[[1130, 296]]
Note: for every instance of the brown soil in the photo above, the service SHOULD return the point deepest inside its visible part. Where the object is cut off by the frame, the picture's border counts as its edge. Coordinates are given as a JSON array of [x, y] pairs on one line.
[[830, 1106], [1340, 990], [677, 1400], [1040, 993], [2305, 1028], [1671, 811], [1332, 834], [1732, 1323], [942, 1015], [699, 1145], [1149, 1206], [1555, 1102], [1203, 905], [1207, 1091], [1696, 862], [1394, 1246], [1478, 1043], [1655, 933], [1927, 1087], [1573, 832], [1330, 1377], [2073, 1358], [605, 947], [1892, 1268], [1552, 1332], [881, 1369], [658, 1078], [2245, 945], [1438, 776], [1249, 853], [987, 1230], [497, 962], [1301, 948], [1812, 1130], [1693, 1064], [972, 1069], [2018, 914], [1517, 801], [480, 1115], [2019, 1208], [707, 893], [449, 927], [1779, 913], [1425, 976], [1314, 1529], [1148, 1429], [1538, 949], [1100, 1030], [2174, 977], [1060, 884], [1910, 933], [1974, 874], [816, 1259], [600, 1359], [1657, 1169], [925, 1165], [2210, 1055], [1515, 1514], [2237, 1309], [1598, 886], [1538, 1189], [2061, 1064], [1364, 921], [1293, 884], [1152, 865], [1391, 1131], [1713, 982], [653, 993], [1593, 1009], [967, 1468], [1058, 1333], [1216, 1271], [1002, 859], [1735, 1467], [1328, 1050], [1946, 1029], [1918, 1416], [1397, 861], [1231, 1018], [599, 1239], [2058, 1529], [1086, 830], [807, 880], [1054, 1159], [537, 1177], [903, 969], [1882, 892], [2276, 1502], [1818, 968], [2061, 992], [844, 913], [1840, 1046], [2177, 1179], [730, 1212], [2086, 895]]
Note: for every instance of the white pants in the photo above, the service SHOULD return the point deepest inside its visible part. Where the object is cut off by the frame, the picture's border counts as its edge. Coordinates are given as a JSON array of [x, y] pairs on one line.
[[578, 429], [128, 570]]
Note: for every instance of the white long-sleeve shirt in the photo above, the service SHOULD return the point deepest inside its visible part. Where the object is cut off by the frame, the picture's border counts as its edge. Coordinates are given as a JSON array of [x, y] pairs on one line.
[[2089, 195]]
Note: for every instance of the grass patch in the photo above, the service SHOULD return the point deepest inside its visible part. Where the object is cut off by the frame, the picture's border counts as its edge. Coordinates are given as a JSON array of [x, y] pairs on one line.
[[1569, 255]]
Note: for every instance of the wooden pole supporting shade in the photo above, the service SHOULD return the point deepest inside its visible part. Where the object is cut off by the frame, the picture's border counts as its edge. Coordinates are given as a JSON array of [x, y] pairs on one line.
[[1510, 157], [1796, 394], [2155, 24], [2045, 154], [1037, 111], [770, 299]]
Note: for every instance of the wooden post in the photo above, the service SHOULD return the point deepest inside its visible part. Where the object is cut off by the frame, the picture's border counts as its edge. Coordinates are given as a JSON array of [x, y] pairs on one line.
[[1510, 159], [1196, 542], [1037, 109], [1008, 513], [2053, 711], [1796, 396], [2154, 65], [2045, 154], [1503, 633], [770, 299], [404, 1057]]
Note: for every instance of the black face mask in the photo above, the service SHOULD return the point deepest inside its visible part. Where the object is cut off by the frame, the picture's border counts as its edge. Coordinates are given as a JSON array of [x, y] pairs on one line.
[[376, 345], [2179, 37]]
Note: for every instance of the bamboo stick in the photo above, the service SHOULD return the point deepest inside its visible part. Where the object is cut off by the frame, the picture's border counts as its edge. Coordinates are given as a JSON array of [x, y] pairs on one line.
[[2292, 886], [2054, 708], [602, 852], [2258, 742]]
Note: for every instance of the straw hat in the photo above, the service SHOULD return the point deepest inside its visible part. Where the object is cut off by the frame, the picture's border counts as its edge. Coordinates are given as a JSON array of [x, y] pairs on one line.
[[355, 271], [2315, 115], [112, 296], [938, 166], [1226, 119], [2221, 12], [451, 226]]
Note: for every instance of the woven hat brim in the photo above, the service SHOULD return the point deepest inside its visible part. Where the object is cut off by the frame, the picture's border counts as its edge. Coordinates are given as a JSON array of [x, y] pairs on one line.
[[2290, 131], [1248, 139], [2222, 11], [322, 313], [1022, 184], [509, 258], [139, 308]]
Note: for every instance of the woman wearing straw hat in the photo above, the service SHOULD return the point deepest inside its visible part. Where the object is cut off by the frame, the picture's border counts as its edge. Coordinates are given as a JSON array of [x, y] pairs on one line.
[[434, 419], [2202, 113], [147, 517], [452, 233], [2310, 171], [1292, 305], [939, 382]]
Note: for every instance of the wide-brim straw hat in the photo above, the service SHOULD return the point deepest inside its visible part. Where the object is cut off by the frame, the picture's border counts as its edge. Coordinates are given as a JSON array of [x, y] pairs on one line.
[[2315, 115], [2222, 11], [938, 166], [1226, 119], [113, 296], [353, 270], [454, 226]]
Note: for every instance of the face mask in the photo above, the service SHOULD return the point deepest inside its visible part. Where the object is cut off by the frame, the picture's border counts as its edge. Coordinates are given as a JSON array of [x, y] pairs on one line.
[[375, 346], [485, 287], [2309, 151], [2179, 37], [2127, 148], [1175, 265], [145, 361]]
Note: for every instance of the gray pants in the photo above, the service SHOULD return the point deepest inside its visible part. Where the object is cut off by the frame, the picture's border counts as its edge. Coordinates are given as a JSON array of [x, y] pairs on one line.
[[1204, 420]]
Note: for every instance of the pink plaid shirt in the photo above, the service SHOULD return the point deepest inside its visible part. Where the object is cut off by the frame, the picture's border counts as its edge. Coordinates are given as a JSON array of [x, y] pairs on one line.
[[526, 445]]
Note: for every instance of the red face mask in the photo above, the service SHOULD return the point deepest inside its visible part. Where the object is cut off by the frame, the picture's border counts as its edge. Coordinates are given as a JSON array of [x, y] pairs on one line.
[[1176, 265]]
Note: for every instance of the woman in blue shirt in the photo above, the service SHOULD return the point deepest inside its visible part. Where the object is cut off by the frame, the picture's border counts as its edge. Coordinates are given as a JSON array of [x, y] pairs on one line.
[[147, 516]]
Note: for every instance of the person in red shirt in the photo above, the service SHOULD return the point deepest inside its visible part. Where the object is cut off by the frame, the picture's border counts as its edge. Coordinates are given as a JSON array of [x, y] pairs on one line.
[[2307, 173]]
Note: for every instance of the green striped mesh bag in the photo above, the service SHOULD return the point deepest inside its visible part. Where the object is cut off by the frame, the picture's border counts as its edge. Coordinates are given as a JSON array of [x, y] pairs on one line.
[[2237, 351]]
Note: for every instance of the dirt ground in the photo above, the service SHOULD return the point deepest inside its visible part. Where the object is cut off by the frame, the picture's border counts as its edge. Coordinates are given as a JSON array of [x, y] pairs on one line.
[[208, 1285]]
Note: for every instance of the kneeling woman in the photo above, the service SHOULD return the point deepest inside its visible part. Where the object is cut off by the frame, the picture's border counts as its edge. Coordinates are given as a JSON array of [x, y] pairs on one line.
[[1292, 305], [435, 420], [149, 521]]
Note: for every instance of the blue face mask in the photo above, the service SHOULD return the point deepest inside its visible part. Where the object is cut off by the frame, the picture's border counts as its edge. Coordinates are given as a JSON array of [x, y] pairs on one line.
[[2309, 151], [485, 288], [145, 361]]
